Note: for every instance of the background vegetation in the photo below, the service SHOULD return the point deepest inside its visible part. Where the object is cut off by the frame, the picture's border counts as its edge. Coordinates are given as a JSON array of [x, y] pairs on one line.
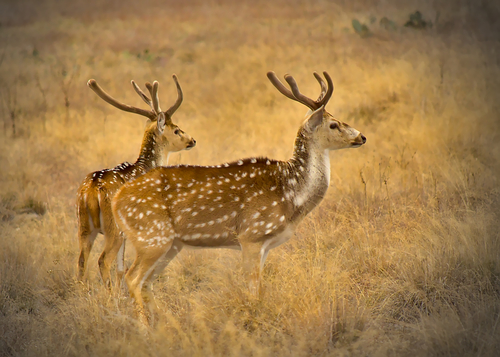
[[401, 258]]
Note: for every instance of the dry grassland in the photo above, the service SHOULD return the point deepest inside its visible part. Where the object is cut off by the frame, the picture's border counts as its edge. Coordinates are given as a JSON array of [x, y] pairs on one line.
[[402, 258]]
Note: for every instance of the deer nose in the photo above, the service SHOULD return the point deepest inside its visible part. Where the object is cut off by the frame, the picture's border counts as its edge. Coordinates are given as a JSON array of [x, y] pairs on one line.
[[193, 143], [363, 138]]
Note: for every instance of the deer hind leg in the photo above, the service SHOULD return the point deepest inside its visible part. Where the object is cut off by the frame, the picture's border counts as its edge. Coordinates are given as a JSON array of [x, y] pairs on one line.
[[120, 263], [112, 243], [145, 263], [162, 264], [86, 237]]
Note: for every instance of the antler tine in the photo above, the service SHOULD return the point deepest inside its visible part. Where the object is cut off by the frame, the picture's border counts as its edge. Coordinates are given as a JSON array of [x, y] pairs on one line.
[[279, 86], [323, 86], [311, 104], [149, 86], [143, 95], [154, 95], [329, 92], [180, 97], [109, 99]]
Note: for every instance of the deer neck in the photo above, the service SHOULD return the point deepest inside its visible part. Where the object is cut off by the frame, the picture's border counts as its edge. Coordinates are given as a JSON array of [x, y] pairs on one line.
[[151, 154], [307, 175]]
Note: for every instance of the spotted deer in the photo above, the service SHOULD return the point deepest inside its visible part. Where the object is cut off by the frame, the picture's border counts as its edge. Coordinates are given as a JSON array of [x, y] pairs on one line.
[[161, 137], [251, 204]]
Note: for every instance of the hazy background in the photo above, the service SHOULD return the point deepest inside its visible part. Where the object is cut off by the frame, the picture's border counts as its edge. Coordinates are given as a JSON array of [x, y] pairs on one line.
[[401, 258]]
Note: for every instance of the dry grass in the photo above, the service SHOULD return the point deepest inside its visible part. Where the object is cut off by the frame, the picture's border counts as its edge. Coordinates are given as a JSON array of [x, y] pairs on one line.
[[401, 258]]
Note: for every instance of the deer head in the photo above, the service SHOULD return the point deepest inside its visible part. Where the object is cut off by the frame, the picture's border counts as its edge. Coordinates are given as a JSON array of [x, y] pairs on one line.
[[320, 126], [160, 129]]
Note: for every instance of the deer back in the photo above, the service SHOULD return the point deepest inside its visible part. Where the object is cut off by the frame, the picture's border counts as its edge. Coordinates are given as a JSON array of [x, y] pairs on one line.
[[206, 206]]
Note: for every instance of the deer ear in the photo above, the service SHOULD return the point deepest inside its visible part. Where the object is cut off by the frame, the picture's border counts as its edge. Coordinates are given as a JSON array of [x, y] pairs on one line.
[[161, 122], [316, 118]]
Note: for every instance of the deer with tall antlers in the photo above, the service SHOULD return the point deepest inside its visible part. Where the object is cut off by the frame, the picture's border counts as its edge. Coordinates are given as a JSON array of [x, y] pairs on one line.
[[252, 204], [161, 137]]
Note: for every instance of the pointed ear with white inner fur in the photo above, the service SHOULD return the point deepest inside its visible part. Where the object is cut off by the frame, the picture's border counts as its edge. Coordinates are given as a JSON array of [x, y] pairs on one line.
[[160, 123], [315, 119]]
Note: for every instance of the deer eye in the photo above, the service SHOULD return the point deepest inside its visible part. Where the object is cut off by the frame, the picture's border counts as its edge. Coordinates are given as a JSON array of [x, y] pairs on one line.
[[177, 131], [334, 125]]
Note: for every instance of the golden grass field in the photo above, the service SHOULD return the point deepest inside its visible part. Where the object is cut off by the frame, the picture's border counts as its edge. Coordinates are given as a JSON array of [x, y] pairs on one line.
[[402, 258]]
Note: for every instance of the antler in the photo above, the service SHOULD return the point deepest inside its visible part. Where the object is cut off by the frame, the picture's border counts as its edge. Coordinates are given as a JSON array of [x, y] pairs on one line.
[[144, 97], [128, 108], [324, 97], [154, 103], [170, 111], [279, 86]]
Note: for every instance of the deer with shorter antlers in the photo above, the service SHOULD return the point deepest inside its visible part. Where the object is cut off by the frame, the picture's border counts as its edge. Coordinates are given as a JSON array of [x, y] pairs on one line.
[[252, 204], [94, 214]]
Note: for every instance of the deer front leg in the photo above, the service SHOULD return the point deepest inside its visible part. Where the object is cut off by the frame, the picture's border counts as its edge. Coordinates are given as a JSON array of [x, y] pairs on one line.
[[251, 265]]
